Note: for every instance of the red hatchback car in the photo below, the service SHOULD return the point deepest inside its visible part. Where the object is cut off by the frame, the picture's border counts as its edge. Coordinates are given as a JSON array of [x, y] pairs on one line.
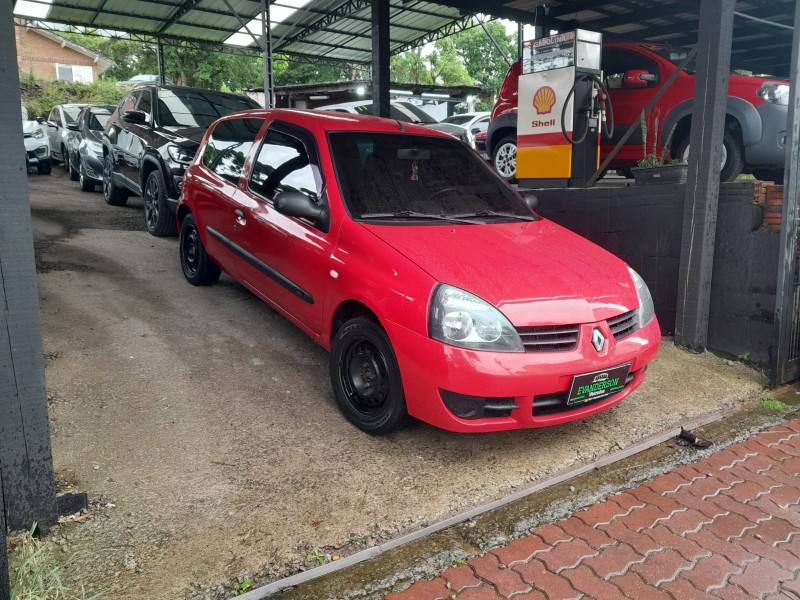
[[438, 291]]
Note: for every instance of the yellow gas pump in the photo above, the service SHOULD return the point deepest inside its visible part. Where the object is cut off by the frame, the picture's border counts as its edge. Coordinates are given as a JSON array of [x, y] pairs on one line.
[[562, 103]]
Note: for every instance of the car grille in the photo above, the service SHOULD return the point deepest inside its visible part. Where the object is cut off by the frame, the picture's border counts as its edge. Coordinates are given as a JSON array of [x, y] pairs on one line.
[[549, 338], [625, 324]]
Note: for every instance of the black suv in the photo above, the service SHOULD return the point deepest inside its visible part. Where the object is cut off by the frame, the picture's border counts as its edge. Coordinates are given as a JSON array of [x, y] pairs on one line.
[[150, 140]]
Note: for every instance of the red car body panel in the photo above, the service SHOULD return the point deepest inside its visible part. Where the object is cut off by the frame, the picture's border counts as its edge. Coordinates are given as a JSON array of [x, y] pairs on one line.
[[535, 273]]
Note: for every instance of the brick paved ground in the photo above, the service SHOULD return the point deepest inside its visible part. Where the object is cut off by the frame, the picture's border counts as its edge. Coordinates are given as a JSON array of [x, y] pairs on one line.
[[727, 526]]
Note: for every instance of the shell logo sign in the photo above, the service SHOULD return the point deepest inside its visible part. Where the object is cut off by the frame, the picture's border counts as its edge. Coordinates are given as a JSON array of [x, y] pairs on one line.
[[543, 100]]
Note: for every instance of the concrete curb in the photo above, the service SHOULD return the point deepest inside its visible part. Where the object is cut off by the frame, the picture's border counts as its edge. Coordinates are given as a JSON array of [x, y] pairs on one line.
[[376, 551]]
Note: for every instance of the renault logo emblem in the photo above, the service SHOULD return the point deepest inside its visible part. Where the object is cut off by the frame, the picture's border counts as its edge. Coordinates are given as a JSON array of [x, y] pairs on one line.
[[598, 341]]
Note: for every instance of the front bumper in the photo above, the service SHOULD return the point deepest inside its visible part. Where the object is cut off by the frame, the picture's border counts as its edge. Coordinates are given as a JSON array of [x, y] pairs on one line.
[[93, 166], [535, 381], [37, 150], [770, 150]]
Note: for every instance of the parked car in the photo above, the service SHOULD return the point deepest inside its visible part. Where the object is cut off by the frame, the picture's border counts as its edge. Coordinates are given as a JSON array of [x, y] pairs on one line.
[[436, 288], [37, 148], [56, 127], [405, 112], [755, 121], [85, 145], [150, 139], [480, 145], [473, 122]]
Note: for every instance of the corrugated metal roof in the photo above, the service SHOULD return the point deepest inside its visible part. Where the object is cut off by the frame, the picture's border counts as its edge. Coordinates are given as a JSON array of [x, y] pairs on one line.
[[341, 29]]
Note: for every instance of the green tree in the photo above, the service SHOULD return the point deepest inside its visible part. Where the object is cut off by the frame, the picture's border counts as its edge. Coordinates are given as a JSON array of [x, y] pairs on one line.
[[410, 67], [446, 66], [481, 58]]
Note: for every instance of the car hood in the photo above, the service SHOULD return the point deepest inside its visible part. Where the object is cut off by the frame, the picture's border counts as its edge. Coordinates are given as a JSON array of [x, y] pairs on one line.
[[30, 126], [536, 273], [184, 136]]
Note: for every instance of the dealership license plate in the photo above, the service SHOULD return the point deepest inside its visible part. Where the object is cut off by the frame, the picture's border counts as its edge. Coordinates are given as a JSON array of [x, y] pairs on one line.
[[589, 387]]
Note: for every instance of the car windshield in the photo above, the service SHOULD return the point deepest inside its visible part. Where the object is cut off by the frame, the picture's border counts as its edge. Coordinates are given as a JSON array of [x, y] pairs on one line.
[[71, 113], [195, 108], [394, 176], [98, 119]]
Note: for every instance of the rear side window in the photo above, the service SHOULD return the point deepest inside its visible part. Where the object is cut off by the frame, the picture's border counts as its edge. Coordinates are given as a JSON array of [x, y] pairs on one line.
[[229, 145], [285, 165]]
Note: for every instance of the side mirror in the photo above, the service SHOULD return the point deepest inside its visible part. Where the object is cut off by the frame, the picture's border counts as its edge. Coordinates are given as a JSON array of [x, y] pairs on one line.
[[637, 78], [52, 124], [299, 205], [136, 117], [73, 127], [531, 200]]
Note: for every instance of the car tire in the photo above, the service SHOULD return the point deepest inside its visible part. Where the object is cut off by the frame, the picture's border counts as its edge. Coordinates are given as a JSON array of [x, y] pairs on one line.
[[45, 167], [70, 168], [158, 219], [504, 158], [87, 185], [197, 265], [112, 194], [366, 378], [734, 154]]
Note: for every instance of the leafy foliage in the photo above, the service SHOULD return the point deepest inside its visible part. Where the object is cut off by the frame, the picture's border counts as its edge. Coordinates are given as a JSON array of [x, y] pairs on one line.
[[39, 97], [653, 159]]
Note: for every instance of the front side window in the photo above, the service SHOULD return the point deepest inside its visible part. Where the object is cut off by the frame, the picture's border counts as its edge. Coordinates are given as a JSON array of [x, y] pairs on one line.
[[192, 108], [229, 145], [145, 102], [71, 114], [382, 175], [617, 61], [55, 117], [98, 118], [129, 102], [285, 164]]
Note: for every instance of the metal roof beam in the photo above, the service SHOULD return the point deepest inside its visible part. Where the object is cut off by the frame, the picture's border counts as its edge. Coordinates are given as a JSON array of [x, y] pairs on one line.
[[182, 10], [497, 10]]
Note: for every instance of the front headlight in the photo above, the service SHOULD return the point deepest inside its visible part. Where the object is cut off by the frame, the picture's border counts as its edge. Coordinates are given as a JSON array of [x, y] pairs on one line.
[[777, 93], [180, 155], [462, 319], [95, 148], [646, 309], [38, 134]]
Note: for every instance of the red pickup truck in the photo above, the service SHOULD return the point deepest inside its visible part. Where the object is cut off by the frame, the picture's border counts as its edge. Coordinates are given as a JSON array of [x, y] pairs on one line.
[[755, 121]]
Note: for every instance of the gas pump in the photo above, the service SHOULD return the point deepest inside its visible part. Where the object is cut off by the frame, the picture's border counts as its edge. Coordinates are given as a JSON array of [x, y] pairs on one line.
[[563, 104]]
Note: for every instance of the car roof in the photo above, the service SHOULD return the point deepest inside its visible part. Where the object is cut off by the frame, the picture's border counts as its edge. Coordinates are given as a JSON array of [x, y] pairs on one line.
[[337, 121], [183, 88]]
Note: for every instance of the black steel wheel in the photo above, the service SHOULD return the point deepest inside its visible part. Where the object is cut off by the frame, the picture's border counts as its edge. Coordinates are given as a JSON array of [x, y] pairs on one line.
[[112, 193], [366, 379], [198, 268], [157, 217]]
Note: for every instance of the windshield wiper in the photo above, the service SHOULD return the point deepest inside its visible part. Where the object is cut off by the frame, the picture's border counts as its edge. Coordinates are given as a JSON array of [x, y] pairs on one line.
[[494, 213], [410, 214]]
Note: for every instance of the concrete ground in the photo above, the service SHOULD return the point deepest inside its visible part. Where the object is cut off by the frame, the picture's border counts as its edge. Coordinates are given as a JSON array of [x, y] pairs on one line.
[[203, 427]]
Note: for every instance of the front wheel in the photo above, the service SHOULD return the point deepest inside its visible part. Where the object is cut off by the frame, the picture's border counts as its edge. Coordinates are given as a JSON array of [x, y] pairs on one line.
[[366, 379], [198, 268], [87, 185], [504, 158], [45, 166], [112, 193], [69, 165], [732, 161], [157, 216]]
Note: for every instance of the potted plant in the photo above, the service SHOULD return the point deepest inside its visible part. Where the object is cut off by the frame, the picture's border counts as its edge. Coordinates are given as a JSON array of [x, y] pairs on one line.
[[655, 168]]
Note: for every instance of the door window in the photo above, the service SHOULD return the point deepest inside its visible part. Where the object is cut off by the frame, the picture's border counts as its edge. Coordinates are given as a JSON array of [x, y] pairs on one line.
[[129, 103], [617, 60], [55, 117], [228, 147], [285, 163], [145, 102]]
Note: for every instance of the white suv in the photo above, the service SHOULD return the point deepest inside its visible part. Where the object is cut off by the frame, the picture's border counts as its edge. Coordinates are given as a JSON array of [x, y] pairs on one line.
[[37, 146]]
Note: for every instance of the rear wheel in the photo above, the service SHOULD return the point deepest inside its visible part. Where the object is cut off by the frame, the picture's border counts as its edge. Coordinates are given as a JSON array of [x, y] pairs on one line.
[[504, 158], [366, 378], [112, 194], [45, 167], [198, 268], [158, 218]]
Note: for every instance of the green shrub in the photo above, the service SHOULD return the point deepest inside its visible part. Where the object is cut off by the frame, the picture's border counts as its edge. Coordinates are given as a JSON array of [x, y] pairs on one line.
[[40, 96]]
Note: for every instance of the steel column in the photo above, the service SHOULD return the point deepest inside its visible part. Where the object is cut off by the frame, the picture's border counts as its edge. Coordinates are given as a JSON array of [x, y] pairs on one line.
[[26, 464], [266, 48], [380, 58], [702, 187], [162, 78], [787, 321]]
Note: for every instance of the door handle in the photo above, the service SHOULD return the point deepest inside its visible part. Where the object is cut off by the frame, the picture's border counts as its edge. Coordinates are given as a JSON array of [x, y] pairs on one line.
[[240, 218]]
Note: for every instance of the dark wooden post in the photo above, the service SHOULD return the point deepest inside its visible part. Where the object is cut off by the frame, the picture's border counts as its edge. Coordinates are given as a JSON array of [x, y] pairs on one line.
[[26, 465], [785, 289], [702, 187], [380, 58]]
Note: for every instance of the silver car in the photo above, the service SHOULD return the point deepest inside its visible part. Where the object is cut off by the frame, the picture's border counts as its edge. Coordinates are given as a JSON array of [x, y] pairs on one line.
[[37, 148], [56, 129]]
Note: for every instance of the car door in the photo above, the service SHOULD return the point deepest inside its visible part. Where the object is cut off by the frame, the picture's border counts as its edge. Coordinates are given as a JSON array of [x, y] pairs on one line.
[[628, 101], [138, 133], [215, 190], [119, 135], [286, 260]]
